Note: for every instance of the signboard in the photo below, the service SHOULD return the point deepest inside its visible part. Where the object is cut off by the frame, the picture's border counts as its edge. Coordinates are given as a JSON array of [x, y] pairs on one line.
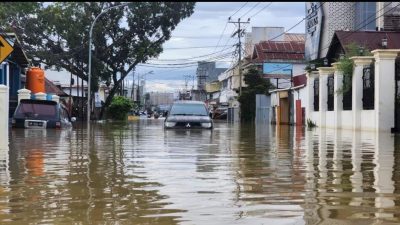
[[314, 17], [277, 69], [5, 49]]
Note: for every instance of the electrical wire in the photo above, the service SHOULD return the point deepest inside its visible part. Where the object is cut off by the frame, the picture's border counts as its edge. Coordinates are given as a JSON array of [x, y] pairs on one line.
[[250, 9], [260, 10]]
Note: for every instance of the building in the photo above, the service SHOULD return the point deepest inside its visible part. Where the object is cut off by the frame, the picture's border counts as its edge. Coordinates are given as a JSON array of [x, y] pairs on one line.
[[323, 19], [258, 34], [160, 98], [279, 61], [13, 69], [206, 72]]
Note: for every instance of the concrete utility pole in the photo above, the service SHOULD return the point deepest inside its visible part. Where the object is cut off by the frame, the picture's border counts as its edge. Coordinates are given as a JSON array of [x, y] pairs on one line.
[[239, 33]]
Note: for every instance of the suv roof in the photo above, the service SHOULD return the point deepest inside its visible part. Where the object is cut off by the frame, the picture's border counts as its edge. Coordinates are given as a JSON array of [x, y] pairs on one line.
[[35, 101]]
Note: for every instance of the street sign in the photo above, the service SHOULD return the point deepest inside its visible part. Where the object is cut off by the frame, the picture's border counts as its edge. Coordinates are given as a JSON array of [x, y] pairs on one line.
[[5, 49]]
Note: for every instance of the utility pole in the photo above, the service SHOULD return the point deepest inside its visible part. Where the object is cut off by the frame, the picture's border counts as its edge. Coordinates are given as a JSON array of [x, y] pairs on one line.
[[239, 34]]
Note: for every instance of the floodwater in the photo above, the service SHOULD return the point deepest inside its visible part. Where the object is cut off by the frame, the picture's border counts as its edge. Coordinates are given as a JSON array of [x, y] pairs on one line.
[[137, 173]]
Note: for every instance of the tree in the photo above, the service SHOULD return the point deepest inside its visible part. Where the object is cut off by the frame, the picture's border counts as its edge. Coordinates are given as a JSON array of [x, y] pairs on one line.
[[256, 84], [57, 34]]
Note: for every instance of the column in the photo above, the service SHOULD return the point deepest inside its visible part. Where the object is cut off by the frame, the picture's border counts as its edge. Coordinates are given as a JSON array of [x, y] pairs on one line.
[[338, 98], [323, 93], [24, 94], [55, 98], [357, 88], [4, 104], [310, 92], [384, 88], [40, 96]]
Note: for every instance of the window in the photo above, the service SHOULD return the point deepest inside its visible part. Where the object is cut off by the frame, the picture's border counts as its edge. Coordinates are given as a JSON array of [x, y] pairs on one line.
[[331, 92], [347, 92], [189, 109], [368, 87], [316, 94]]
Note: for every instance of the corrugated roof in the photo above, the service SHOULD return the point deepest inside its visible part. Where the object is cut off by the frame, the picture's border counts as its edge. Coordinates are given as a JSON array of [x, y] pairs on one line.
[[281, 50], [294, 37]]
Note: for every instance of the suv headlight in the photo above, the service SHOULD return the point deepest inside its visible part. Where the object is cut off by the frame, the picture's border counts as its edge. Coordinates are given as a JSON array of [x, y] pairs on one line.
[[169, 124], [206, 125]]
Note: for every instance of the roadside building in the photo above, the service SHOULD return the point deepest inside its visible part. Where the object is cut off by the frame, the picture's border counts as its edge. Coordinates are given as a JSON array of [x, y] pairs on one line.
[[13, 69], [206, 72]]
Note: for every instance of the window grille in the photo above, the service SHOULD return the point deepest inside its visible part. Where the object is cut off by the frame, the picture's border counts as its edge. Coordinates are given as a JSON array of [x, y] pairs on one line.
[[368, 87], [316, 94], [331, 92], [347, 92]]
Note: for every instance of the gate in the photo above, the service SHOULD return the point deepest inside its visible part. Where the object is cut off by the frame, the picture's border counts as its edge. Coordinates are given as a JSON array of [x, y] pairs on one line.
[[263, 104]]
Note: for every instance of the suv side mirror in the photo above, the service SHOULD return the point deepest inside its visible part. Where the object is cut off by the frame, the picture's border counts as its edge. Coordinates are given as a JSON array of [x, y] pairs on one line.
[[73, 119]]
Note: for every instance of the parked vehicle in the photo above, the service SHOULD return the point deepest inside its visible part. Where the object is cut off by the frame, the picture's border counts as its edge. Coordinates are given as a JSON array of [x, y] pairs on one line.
[[188, 115], [41, 114]]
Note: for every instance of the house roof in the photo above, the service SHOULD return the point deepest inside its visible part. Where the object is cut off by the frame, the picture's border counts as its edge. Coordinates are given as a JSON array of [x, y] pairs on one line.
[[50, 87], [18, 55], [278, 50], [368, 39], [294, 37]]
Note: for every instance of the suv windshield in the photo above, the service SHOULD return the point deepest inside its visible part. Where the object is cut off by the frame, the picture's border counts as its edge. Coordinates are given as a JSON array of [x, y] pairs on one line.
[[189, 109], [39, 111]]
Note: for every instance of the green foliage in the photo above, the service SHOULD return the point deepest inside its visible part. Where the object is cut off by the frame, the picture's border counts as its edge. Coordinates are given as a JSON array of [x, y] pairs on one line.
[[256, 85], [57, 34], [311, 124], [119, 108], [346, 65]]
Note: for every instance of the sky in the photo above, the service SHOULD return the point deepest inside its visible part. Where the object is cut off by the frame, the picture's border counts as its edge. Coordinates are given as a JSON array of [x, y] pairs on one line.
[[206, 35]]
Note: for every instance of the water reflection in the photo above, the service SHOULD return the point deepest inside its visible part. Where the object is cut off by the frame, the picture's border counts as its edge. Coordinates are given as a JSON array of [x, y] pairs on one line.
[[137, 173]]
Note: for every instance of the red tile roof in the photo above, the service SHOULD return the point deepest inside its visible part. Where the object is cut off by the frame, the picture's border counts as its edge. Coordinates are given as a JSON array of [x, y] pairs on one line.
[[281, 50], [299, 80]]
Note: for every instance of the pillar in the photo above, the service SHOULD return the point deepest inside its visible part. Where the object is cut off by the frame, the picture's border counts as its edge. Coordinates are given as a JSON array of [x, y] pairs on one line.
[[4, 104], [385, 88], [357, 88], [55, 98], [310, 94], [41, 96], [23, 94], [338, 98], [323, 93]]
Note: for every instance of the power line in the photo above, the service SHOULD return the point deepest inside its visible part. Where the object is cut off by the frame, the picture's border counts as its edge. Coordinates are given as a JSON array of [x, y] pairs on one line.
[[250, 9], [260, 10], [239, 9]]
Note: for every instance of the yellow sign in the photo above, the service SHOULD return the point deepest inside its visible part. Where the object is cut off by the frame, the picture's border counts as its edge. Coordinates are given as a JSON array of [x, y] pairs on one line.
[[5, 49]]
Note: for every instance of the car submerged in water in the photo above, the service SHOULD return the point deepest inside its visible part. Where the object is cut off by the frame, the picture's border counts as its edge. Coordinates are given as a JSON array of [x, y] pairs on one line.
[[42, 114], [188, 115]]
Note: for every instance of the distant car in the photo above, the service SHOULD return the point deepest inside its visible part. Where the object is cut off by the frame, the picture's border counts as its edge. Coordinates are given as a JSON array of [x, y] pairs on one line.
[[188, 115], [41, 114]]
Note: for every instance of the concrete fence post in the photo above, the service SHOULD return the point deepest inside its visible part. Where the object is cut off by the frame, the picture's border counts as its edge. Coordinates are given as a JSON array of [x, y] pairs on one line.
[[41, 96], [55, 98], [385, 88], [338, 97], [4, 104], [23, 94], [357, 87], [323, 93]]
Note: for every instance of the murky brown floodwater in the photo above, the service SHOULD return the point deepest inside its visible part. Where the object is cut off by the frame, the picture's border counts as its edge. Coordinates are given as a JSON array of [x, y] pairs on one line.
[[138, 173]]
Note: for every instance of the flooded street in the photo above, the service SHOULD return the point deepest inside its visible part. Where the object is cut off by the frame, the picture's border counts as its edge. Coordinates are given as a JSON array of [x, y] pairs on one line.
[[137, 173]]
